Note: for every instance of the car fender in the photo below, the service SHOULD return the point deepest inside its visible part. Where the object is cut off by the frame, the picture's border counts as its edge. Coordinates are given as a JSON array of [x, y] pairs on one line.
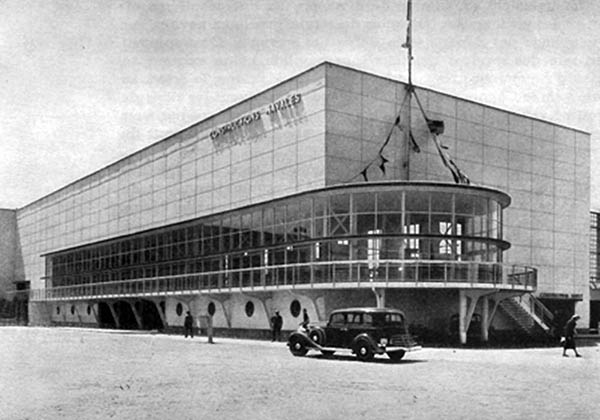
[[320, 332], [366, 338], [304, 338]]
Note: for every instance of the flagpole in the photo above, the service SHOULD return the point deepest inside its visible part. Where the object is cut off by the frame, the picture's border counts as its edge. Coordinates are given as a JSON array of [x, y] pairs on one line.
[[408, 46], [409, 41]]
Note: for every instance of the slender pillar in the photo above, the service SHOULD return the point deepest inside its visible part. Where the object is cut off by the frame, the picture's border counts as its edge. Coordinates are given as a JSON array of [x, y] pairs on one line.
[[379, 297], [91, 304], [462, 315], [206, 321], [163, 318], [138, 318], [485, 319], [222, 301], [78, 314], [114, 314]]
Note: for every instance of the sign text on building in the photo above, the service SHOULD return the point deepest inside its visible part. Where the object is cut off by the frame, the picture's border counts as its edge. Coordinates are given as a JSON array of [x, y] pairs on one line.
[[247, 119]]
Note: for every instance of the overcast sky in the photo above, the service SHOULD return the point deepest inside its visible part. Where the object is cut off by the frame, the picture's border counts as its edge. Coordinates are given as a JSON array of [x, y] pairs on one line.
[[84, 83]]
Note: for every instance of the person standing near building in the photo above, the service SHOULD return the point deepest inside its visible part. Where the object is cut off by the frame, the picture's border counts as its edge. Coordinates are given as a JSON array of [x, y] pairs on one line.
[[188, 325], [305, 319], [569, 338], [276, 324]]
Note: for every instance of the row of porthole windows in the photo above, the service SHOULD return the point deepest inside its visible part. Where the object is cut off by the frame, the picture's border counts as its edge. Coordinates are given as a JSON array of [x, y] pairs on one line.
[[211, 308], [249, 308], [295, 308], [88, 310]]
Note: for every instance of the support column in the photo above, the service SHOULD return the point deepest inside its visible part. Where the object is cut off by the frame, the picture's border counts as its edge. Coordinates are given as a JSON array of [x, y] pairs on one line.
[[488, 314], [78, 314], [485, 319], [163, 318], [94, 312], [222, 299], [138, 318], [467, 303], [462, 314], [379, 297], [114, 314]]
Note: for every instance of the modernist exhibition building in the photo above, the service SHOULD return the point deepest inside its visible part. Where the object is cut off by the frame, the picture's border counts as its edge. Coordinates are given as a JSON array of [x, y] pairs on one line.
[[328, 190]]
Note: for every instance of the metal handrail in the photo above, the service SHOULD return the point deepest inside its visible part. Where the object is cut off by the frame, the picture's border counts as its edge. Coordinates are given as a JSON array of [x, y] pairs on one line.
[[358, 273], [536, 307]]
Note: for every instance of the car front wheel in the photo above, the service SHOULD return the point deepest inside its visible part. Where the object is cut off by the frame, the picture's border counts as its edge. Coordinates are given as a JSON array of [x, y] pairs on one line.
[[396, 355], [297, 347], [364, 352], [317, 336]]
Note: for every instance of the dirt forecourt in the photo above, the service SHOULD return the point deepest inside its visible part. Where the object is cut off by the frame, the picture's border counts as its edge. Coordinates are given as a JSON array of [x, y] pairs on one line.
[[68, 373]]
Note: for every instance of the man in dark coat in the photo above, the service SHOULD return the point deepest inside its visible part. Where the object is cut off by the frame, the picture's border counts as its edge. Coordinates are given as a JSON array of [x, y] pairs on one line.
[[569, 338], [276, 324], [188, 325]]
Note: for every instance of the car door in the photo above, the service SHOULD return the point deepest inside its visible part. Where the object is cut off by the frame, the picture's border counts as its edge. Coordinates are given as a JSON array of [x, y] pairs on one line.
[[336, 329], [354, 327]]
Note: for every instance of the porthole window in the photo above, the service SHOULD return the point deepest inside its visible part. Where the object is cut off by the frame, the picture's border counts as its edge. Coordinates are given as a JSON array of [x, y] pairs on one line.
[[58, 310], [211, 308], [89, 310], [249, 309], [295, 308], [179, 309], [72, 309]]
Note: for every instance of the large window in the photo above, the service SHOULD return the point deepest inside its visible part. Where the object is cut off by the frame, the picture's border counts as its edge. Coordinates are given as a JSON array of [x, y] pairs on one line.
[[278, 239]]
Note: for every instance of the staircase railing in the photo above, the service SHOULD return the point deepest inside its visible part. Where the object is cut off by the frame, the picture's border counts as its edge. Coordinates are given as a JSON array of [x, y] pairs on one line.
[[534, 306]]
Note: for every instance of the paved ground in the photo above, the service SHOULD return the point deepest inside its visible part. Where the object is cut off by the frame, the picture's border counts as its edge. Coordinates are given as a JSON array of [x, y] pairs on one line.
[[91, 374]]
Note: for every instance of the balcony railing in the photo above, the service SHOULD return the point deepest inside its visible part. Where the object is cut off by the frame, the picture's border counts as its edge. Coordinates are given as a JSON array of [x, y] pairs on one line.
[[334, 274]]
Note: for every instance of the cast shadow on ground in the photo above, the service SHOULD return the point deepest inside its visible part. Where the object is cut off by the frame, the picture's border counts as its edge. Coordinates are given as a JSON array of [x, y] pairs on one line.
[[384, 360]]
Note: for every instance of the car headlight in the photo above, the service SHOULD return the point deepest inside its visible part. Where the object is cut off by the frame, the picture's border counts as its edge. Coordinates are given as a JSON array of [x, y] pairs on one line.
[[383, 341]]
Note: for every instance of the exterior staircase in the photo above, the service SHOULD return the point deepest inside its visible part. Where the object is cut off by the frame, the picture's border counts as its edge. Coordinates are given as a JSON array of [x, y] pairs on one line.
[[531, 316]]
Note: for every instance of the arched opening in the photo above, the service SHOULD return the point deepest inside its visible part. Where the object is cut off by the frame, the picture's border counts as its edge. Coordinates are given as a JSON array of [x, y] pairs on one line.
[[151, 319], [126, 317], [105, 318]]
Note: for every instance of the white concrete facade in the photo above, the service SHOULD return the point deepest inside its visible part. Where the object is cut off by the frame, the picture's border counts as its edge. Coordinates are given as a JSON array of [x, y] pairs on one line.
[[326, 138]]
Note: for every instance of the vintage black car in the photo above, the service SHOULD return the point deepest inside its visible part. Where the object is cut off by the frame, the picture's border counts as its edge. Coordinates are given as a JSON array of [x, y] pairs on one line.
[[364, 331]]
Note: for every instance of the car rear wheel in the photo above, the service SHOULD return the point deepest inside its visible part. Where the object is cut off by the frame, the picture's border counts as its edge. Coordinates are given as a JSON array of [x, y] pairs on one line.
[[297, 347], [396, 355], [364, 352]]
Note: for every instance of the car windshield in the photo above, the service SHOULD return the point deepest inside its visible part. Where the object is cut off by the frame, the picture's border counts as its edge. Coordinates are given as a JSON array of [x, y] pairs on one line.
[[389, 319]]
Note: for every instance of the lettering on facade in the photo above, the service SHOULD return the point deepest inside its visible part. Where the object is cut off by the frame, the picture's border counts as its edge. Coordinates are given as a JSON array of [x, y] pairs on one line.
[[246, 120]]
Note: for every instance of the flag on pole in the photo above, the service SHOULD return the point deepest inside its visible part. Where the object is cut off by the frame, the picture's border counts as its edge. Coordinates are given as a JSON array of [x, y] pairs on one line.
[[407, 43], [414, 143], [383, 162], [364, 174], [435, 126]]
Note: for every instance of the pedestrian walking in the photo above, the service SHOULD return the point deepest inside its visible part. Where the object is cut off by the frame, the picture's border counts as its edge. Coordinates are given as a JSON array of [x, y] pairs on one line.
[[568, 341], [188, 325], [276, 324]]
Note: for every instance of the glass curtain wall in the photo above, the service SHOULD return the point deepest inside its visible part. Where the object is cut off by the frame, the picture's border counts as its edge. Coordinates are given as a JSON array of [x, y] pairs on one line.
[[292, 240]]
